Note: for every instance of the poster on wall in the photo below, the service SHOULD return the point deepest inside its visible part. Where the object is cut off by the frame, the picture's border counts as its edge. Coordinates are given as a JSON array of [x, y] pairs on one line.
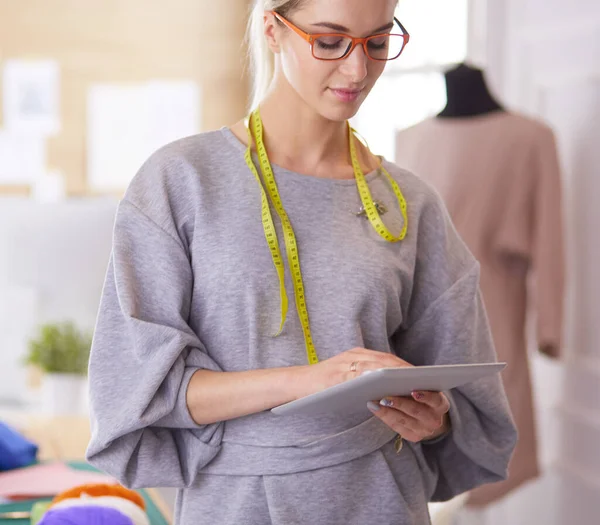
[[18, 318], [127, 123], [31, 101], [49, 187], [22, 157]]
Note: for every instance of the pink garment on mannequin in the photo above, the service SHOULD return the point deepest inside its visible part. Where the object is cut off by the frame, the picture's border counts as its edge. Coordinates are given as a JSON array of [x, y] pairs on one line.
[[499, 176]]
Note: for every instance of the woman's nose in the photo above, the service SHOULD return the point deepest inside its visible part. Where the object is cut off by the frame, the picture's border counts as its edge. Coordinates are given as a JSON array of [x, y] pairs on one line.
[[355, 64]]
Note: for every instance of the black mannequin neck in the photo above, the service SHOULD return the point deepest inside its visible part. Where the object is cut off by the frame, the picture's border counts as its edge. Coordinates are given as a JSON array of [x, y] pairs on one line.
[[468, 94]]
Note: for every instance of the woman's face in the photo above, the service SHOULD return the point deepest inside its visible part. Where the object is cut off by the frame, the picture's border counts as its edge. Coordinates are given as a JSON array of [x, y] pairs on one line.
[[334, 89]]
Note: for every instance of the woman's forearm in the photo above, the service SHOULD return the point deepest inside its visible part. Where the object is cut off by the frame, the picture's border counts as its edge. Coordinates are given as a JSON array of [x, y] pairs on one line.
[[220, 396]]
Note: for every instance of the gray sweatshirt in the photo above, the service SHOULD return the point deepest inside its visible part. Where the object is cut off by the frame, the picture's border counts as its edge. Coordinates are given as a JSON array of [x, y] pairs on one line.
[[191, 285]]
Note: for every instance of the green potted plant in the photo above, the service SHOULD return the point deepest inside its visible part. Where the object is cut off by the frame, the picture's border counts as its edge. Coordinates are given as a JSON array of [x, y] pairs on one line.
[[62, 352]]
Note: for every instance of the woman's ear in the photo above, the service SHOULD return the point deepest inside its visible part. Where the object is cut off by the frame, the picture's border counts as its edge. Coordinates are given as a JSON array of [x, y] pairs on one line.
[[273, 32]]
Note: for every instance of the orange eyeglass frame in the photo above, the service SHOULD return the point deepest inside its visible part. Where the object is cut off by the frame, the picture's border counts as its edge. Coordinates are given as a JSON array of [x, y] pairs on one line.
[[311, 37]]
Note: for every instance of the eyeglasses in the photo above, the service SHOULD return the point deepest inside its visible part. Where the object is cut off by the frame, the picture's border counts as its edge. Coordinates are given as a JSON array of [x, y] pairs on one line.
[[336, 46]]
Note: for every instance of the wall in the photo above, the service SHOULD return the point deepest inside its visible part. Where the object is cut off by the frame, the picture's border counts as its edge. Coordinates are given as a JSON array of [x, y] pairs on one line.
[[128, 41], [543, 59]]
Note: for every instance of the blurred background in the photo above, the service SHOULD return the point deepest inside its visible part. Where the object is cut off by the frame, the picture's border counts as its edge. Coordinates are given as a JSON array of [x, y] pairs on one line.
[[88, 90]]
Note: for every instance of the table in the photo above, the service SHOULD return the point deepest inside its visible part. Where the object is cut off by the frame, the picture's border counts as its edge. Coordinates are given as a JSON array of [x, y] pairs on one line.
[[65, 438]]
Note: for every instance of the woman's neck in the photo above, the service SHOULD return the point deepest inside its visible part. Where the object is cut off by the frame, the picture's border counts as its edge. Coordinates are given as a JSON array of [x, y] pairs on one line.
[[301, 138]]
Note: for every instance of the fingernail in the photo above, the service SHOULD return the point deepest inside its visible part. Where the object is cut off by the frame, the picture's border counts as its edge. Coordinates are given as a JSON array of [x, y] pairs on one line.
[[373, 407], [418, 395], [386, 403]]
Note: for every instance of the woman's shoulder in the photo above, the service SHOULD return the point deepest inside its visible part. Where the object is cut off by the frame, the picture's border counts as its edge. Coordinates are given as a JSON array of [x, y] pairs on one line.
[[421, 196], [427, 210], [185, 165], [437, 244], [169, 183], [192, 152]]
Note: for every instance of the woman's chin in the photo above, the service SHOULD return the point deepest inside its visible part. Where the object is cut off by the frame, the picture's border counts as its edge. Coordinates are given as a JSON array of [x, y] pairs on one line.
[[340, 112]]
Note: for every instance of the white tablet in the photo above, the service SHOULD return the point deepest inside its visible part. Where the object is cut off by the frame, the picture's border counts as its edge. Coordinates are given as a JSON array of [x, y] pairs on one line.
[[377, 384]]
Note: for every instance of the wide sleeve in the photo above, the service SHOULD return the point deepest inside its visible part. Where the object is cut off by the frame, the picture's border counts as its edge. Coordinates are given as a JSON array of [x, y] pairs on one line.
[[548, 255], [447, 324], [532, 228], [144, 354]]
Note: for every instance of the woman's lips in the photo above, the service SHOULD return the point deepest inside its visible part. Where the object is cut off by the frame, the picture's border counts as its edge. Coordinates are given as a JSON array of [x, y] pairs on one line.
[[346, 95]]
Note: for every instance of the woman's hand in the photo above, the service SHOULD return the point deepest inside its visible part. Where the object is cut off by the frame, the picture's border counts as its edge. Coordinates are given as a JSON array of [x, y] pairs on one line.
[[422, 417], [345, 366]]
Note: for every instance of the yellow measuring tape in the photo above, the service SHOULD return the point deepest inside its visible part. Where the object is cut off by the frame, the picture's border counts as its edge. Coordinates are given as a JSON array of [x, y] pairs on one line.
[[254, 127], [367, 199]]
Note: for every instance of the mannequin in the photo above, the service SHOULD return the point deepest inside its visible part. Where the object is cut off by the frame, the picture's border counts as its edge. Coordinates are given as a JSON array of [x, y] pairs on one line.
[[498, 172], [468, 94]]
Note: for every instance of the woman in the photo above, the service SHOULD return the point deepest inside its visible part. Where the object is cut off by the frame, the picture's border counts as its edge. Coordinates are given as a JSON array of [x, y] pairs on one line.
[[194, 342]]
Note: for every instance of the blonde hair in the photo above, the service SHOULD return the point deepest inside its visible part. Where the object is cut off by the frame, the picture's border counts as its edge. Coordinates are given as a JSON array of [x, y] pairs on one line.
[[261, 57]]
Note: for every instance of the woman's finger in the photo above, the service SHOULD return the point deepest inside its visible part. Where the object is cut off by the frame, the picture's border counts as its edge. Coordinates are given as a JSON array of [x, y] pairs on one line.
[[384, 359], [436, 400], [358, 366], [408, 427], [425, 415]]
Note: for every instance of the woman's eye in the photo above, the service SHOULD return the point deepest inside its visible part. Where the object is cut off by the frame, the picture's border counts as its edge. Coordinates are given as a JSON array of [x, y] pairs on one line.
[[330, 42], [379, 43]]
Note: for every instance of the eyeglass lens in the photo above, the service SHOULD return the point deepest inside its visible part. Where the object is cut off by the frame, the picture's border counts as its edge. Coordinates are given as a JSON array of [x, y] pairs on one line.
[[334, 47]]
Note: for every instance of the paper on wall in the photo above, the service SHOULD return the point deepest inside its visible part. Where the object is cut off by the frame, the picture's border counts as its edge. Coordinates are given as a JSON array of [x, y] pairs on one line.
[[32, 96], [49, 187], [22, 157], [174, 109], [18, 318], [126, 124], [116, 136]]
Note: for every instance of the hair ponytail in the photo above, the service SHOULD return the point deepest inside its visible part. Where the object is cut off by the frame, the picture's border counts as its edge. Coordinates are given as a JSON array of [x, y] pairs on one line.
[[261, 57]]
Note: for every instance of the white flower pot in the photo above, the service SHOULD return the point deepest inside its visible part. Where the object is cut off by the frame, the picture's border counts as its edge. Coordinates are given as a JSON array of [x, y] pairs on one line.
[[64, 394]]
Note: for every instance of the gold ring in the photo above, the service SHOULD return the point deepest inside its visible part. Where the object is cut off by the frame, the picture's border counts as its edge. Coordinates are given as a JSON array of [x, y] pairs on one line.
[[353, 366]]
